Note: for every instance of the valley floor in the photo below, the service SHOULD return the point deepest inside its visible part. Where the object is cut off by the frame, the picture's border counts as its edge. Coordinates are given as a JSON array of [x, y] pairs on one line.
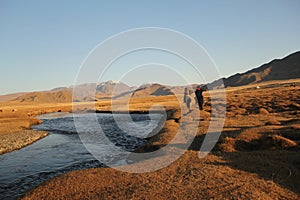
[[256, 157]]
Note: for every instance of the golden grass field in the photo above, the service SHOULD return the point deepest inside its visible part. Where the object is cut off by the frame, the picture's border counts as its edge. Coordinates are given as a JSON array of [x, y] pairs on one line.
[[256, 157]]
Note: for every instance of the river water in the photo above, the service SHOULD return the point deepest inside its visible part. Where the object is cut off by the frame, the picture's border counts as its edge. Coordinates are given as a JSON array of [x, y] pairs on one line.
[[62, 150]]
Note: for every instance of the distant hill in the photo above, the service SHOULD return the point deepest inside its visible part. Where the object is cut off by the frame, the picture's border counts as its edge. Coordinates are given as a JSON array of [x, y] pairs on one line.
[[152, 90], [8, 97], [278, 69], [104, 90], [46, 97], [84, 92]]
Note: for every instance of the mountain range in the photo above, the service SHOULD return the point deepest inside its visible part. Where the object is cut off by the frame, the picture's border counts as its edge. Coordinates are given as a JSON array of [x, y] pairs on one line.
[[278, 69], [84, 92]]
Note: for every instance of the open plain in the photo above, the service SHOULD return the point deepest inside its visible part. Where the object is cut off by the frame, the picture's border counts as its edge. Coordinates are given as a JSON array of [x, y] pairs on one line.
[[256, 156]]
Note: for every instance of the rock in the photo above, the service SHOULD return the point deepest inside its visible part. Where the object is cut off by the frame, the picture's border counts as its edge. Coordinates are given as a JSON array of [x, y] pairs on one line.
[[204, 114], [241, 111], [263, 111], [273, 122], [294, 106], [278, 142], [227, 145]]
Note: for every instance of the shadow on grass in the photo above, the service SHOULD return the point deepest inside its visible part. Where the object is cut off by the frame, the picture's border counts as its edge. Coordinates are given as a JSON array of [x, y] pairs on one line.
[[272, 162], [281, 166]]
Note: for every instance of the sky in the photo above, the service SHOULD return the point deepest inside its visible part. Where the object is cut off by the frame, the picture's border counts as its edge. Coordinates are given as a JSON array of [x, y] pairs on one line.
[[43, 44]]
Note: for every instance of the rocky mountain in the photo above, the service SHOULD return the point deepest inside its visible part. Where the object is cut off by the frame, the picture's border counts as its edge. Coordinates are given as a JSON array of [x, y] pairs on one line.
[[278, 69], [112, 87], [104, 90]]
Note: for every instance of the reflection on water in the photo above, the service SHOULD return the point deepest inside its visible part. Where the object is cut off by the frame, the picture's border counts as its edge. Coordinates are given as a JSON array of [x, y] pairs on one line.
[[63, 151]]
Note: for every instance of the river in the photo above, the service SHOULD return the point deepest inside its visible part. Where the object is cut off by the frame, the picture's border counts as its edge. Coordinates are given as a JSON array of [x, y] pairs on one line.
[[62, 150]]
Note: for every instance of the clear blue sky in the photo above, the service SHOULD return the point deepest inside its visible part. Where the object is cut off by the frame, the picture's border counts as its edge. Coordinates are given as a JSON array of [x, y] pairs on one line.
[[43, 43]]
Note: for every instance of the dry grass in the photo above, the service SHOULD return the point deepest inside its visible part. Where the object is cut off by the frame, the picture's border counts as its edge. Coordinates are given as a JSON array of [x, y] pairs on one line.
[[256, 157], [186, 178]]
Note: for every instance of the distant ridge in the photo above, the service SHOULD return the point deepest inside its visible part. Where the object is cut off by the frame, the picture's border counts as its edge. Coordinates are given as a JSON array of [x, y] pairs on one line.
[[152, 90], [8, 97], [84, 92], [46, 97], [277, 69]]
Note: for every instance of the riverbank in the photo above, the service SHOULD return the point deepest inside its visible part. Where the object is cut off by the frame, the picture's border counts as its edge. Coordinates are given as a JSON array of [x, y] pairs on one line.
[[16, 133], [15, 141], [17, 118]]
